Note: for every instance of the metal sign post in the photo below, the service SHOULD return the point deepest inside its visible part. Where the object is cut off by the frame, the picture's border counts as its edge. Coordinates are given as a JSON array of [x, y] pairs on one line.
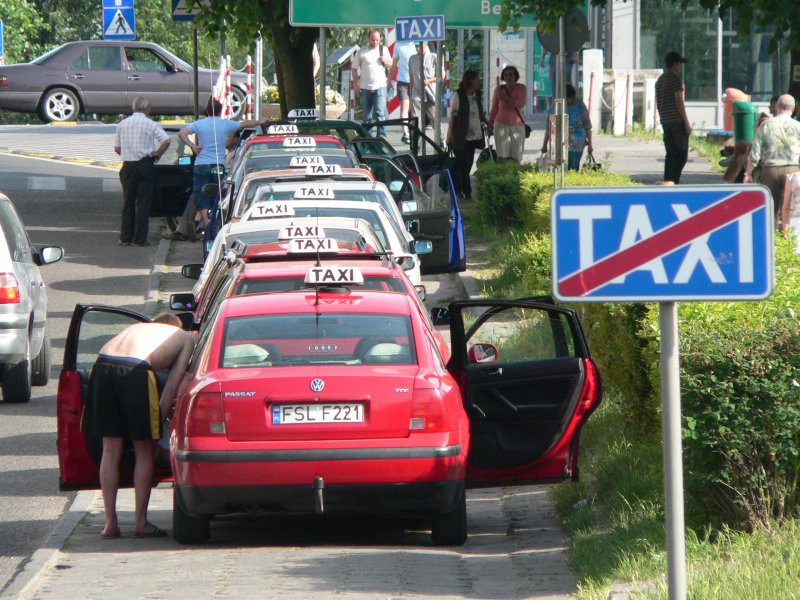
[[664, 244]]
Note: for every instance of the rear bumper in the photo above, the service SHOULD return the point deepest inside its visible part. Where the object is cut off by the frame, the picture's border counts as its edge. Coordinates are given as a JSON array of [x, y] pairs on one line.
[[378, 480], [398, 498], [20, 101]]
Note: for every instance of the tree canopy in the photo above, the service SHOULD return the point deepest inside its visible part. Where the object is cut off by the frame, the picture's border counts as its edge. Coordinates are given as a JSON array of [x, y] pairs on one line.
[[777, 15]]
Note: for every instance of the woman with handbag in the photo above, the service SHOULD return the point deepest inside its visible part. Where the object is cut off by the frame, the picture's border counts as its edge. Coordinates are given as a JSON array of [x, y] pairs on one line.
[[465, 129], [580, 129], [505, 117]]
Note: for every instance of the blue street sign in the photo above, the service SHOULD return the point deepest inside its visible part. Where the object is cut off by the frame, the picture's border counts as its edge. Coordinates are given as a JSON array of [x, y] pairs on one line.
[[662, 244], [118, 20], [419, 29], [186, 10]]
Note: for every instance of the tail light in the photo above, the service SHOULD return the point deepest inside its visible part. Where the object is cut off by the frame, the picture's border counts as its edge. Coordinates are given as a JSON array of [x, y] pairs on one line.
[[9, 289], [205, 415], [427, 411], [3, 81]]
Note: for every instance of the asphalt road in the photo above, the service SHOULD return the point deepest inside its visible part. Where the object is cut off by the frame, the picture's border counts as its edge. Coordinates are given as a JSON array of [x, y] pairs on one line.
[[84, 220]]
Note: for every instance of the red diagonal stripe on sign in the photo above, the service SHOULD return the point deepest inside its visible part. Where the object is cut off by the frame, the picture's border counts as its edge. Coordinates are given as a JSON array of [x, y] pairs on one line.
[[661, 243]]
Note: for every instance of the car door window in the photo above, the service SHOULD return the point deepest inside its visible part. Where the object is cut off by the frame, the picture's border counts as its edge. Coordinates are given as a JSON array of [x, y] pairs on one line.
[[99, 58], [144, 59], [19, 245], [97, 327]]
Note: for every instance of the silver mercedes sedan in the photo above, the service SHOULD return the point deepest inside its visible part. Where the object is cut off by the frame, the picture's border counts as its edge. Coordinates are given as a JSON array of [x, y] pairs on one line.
[[104, 76]]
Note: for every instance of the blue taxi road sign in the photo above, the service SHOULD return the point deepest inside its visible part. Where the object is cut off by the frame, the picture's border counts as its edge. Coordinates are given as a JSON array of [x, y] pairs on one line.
[[664, 244], [419, 29]]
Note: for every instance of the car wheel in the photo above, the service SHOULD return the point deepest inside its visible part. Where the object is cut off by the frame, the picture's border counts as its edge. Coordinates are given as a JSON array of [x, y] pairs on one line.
[[450, 528], [17, 380], [186, 529], [59, 104], [238, 103], [40, 366]]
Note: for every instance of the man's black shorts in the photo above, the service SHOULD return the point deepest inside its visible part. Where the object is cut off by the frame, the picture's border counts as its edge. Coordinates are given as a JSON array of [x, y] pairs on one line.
[[124, 397]]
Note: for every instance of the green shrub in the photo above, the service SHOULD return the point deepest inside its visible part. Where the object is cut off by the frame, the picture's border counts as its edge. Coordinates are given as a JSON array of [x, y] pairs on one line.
[[499, 201], [740, 379]]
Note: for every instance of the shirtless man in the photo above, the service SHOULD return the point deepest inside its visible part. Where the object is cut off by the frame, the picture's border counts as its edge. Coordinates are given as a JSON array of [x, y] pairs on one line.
[[125, 403]]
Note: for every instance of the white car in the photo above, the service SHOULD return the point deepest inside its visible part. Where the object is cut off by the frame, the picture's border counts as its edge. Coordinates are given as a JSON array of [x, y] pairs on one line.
[[404, 248], [24, 341], [260, 231]]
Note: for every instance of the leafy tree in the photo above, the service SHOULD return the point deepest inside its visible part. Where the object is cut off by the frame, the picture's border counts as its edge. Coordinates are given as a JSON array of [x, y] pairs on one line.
[[21, 28], [291, 46], [784, 21]]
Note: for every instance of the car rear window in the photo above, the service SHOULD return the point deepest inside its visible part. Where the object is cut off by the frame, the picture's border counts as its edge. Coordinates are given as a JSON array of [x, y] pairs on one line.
[[283, 284], [293, 340]]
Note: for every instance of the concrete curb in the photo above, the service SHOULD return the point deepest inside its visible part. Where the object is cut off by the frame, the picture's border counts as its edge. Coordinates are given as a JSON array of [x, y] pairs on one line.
[[25, 579]]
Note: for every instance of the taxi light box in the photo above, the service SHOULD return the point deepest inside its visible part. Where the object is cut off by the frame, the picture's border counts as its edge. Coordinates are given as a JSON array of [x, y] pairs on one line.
[[264, 210], [308, 245], [301, 162], [314, 193], [303, 113], [284, 129], [301, 231], [324, 170], [299, 141], [334, 275]]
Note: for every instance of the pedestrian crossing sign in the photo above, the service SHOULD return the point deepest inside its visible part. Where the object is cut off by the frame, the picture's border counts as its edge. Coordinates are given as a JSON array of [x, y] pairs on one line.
[[119, 23]]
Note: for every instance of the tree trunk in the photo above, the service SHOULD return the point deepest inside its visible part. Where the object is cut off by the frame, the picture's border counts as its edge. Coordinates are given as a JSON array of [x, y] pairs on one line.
[[292, 48]]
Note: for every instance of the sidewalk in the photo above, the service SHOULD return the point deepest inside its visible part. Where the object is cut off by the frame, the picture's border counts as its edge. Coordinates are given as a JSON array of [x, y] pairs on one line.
[[128, 568]]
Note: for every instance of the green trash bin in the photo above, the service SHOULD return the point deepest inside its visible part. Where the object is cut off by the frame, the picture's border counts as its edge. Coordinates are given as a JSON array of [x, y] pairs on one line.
[[744, 120]]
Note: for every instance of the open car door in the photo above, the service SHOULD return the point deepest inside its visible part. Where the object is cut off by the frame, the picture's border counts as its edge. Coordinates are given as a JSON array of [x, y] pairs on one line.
[[528, 385], [426, 153], [79, 447], [174, 180], [430, 212]]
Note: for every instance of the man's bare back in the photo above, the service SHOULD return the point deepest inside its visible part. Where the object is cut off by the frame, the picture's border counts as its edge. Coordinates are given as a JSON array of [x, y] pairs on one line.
[[157, 343]]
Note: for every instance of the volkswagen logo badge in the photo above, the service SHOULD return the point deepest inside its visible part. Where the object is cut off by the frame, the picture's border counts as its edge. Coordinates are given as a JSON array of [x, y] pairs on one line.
[[317, 385]]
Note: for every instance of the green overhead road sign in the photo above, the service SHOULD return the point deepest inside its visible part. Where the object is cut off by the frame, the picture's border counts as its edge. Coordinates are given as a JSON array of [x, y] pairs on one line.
[[471, 14]]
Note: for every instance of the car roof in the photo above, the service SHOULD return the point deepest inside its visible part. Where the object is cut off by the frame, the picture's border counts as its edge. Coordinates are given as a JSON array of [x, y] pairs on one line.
[[369, 302], [301, 176], [284, 268], [263, 139]]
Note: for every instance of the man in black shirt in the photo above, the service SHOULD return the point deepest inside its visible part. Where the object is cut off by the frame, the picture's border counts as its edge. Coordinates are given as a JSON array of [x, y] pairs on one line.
[[674, 122]]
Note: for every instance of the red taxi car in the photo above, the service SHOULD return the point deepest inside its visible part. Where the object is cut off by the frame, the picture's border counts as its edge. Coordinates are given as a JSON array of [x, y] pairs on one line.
[[335, 399]]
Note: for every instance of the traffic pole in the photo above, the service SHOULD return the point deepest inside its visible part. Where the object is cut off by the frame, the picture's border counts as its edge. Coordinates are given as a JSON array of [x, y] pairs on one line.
[[673, 461], [249, 87]]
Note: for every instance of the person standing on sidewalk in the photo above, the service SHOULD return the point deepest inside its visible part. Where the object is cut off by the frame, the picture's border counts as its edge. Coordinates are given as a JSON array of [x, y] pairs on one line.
[[369, 67], [422, 86], [212, 135], [465, 129], [402, 52], [674, 122], [140, 142], [505, 117], [776, 149], [124, 402]]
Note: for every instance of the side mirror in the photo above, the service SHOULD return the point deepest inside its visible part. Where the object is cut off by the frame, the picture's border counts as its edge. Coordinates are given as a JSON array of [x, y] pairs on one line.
[[440, 315], [412, 226], [482, 353], [421, 246], [49, 254], [192, 271], [407, 206], [182, 301], [421, 292], [210, 189]]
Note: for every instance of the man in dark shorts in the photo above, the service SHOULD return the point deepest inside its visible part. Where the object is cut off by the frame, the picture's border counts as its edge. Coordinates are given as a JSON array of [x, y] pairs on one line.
[[125, 403]]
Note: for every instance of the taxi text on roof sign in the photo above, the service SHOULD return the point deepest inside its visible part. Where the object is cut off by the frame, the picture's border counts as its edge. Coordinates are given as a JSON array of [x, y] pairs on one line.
[[301, 231], [333, 274], [299, 141], [306, 246], [262, 210], [663, 244], [282, 129], [324, 170], [303, 113], [314, 192], [301, 162]]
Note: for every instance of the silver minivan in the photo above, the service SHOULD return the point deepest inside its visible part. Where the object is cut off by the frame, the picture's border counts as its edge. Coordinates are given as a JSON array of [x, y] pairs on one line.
[[24, 341]]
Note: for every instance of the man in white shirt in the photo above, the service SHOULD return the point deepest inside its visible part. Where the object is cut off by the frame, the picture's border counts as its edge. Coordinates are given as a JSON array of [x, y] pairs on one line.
[[140, 142], [422, 86], [369, 67], [402, 52]]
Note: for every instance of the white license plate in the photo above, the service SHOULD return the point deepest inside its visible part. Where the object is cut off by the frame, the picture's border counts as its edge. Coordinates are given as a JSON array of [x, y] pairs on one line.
[[287, 414]]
